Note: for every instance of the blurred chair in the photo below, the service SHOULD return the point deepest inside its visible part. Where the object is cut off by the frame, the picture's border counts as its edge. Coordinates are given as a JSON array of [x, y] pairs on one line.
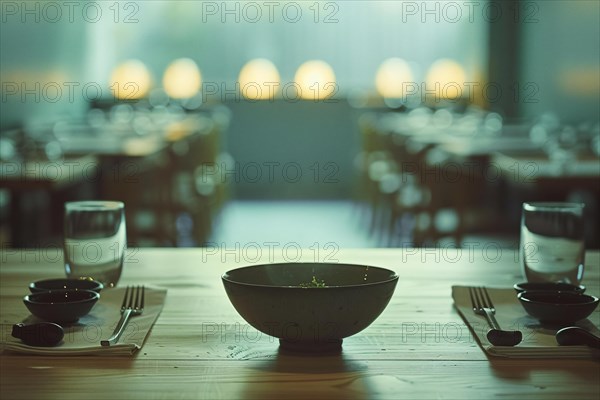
[[403, 182], [177, 192], [199, 189], [378, 174]]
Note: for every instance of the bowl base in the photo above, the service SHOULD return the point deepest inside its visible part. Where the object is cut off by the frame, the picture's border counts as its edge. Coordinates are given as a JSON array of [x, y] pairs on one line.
[[333, 346]]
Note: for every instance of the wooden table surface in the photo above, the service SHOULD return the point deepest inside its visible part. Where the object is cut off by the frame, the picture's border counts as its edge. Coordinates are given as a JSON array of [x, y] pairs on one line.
[[536, 166], [201, 348], [19, 176]]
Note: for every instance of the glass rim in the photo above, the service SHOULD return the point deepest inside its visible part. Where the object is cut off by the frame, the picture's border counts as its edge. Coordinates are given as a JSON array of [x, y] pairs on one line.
[[552, 206], [94, 205]]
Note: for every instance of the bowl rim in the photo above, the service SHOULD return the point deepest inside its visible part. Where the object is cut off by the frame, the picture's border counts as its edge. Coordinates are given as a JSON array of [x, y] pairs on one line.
[[576, 288], [87, 205], [226, 278], [571, 206], [94, 297], [34, 285], [523, 298]]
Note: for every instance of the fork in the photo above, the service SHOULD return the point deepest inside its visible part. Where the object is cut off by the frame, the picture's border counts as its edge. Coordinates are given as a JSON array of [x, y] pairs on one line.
[[133, 304], [482, 305]]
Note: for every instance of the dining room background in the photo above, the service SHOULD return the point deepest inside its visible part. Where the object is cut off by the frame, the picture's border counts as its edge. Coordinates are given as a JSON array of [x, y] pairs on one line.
[[346, 170]]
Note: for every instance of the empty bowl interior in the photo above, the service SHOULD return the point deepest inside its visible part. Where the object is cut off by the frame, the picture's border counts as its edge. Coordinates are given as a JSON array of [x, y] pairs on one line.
[[302, 274], [557, 298], [549, 286], [62, 296], [65, 284]]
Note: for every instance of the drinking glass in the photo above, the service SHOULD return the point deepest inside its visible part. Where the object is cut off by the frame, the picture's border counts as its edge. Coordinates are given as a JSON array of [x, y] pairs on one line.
[[552, 242], [95, 240]]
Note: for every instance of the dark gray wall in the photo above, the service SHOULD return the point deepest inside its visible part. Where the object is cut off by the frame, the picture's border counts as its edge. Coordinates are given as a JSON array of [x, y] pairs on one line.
[[317, 140], [42, 55], [560, 57]]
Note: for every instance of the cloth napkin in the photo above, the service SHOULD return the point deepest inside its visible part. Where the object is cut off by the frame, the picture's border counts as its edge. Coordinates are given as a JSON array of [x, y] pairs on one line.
[[538, 340], [83, 337]]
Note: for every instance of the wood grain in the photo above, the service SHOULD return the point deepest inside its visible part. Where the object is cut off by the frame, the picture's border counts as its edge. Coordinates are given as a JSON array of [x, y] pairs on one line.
[[201, 348]]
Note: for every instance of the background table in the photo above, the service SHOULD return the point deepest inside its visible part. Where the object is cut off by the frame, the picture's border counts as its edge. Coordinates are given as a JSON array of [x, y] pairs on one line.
[[201, 348], [157, 171]]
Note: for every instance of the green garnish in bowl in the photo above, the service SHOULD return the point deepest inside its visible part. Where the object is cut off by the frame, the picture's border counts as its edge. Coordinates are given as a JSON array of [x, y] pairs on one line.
[[313, 283]]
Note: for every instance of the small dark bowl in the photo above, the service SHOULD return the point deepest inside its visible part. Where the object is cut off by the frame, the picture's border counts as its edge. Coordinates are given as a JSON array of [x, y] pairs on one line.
[[310, 306], [548, 287], [558, 307], [61, 305], [65, 284]]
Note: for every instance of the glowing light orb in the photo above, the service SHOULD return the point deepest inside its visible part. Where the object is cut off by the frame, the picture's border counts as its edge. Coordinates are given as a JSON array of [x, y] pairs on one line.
[[446, 78], [392, 77], [315, 80], [259, 79], [182, 79], [130, 80]]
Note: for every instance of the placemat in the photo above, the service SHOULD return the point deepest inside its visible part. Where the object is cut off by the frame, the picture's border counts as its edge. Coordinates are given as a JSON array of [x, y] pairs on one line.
[[538, 340], [83, 337]]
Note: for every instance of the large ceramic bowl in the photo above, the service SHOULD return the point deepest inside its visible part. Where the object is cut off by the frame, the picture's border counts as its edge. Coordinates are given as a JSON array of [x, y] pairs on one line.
[[310, 306], [61, 305]]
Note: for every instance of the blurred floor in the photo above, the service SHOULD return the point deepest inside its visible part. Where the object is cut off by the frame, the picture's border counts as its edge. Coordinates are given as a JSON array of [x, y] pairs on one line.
[[297, 222], [305, 223]]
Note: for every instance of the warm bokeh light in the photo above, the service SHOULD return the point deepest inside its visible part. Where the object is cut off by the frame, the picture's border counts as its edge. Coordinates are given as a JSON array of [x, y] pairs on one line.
[[578, 81], [259, 79], [391, 78], [130, 80], [446, 78], [315, 80], [182, 79]]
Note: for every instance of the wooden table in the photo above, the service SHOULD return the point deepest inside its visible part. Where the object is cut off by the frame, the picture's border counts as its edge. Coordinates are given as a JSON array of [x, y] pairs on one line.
[[27, 179], [20, 176], [534, 167], [201, 348], [532, 176], [143, 171]]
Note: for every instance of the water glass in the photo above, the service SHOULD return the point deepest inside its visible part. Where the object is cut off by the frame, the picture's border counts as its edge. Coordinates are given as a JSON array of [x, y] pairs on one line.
[[552, 242], [95, 240]]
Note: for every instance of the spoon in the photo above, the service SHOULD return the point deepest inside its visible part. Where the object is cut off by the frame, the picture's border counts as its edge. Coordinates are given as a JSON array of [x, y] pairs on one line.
[[40, 334], [499, 337], [573, 335]]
